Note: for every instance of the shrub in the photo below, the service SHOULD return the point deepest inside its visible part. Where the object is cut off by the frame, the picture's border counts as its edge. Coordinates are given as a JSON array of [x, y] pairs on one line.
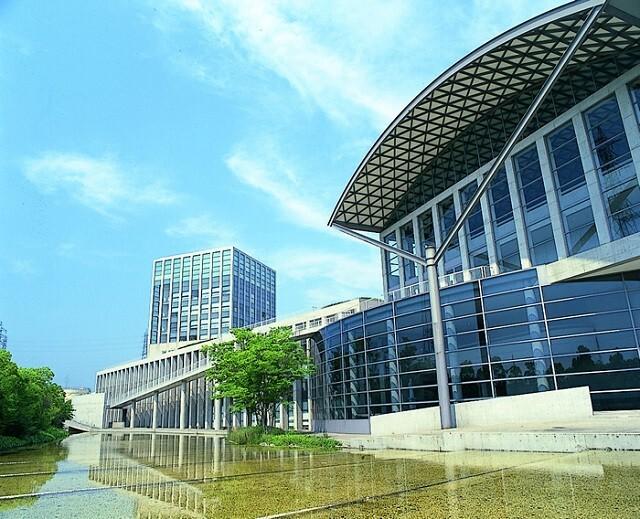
[[49, 435], [273, 436]]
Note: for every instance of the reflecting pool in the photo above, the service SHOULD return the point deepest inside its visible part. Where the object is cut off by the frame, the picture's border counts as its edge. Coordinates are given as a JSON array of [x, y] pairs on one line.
[[170, 476]]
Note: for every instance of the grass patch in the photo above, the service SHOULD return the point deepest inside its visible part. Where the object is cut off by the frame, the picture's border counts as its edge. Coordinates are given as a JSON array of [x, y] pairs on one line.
[[50, 435], [275, 437]]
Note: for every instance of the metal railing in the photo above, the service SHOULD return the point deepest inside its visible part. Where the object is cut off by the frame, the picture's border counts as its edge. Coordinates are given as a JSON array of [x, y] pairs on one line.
[[150, 385], [454, 278]]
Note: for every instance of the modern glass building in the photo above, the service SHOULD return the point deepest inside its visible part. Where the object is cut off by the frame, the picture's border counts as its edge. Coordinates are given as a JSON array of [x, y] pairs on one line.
[[539, 286], [201, 295]]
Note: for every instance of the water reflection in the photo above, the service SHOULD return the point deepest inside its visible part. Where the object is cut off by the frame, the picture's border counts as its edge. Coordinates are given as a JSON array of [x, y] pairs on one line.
[[162, 475]]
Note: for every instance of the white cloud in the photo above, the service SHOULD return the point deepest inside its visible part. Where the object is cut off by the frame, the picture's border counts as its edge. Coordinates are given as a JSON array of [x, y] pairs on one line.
[[284, 37], [274, 177], [203, 228], [100, 184], [330, 276]]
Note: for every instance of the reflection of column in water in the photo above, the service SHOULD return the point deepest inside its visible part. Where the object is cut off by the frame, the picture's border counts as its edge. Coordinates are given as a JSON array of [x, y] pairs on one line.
[[181, 441], [153, 447], [217, 453], [450, 475], [536, 331]]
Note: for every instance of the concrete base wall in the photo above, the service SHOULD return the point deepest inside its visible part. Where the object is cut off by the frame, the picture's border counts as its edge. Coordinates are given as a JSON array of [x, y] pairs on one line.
[[88, 409], [525, 441], [342, 426], [549, 406]]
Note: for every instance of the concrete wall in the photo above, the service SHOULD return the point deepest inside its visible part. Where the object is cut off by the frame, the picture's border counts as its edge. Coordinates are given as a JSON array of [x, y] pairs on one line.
[[342, 426], [415, 421], [88, 408], [550, 406]]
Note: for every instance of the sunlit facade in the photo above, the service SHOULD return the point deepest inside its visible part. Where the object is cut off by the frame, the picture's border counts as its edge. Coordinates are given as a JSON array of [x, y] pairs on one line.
[[201, 295], [539, 286]]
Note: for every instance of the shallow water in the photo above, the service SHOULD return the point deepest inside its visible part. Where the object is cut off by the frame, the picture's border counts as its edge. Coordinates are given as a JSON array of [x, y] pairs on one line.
[[170, 476]]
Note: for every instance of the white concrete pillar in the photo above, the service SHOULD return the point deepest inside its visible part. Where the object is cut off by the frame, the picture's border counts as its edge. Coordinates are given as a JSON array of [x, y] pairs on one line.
[[593, 182], [183, 405], [518, 215], [284, 417], [297, 401], [555, 215], [207, 404], [490, 238], [217, 414], [154, 419], [462, 234], [132, 417]]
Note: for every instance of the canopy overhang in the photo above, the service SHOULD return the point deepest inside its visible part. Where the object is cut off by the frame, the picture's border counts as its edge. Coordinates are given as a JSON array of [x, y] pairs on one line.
[[463, 118]]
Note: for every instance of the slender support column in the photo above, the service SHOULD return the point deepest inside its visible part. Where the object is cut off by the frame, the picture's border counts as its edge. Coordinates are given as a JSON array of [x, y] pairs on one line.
[[284, 416], [183, 405], [217, 412], [132, 417], [154, 420], [444, 402], [207, 404], [297, 404]]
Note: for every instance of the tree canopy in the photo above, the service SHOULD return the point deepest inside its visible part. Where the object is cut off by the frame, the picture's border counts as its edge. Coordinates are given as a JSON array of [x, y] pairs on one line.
[[29, 399], [257, 370]]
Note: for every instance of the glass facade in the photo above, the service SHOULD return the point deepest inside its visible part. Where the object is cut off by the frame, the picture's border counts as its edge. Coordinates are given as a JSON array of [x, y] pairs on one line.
[[504, 336], [541, 243], [617, 173], [503, 224], [566, 191], [474, 227], [571, 188], [447, 218], [202, 295]]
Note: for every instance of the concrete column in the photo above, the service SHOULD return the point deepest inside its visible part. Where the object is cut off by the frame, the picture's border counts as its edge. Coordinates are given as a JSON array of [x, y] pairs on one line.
[[154, 419], [132, 417], [227, 413], [490, 238], [309, 400], [419, 248], [217, 412], [630, 124], [284, 417], [207, 404], [462, 235], [297, 402], [555, 214], [435, 217], [518, 216], [593, 182], [183, 405]]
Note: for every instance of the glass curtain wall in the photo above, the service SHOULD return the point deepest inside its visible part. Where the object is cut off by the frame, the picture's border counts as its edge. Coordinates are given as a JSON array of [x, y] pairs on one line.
[[452, 256], [504, 336], [474, 227], [616, 170], [575, 205], [392, 263], [504, 228], [542, 247], [408, 242]]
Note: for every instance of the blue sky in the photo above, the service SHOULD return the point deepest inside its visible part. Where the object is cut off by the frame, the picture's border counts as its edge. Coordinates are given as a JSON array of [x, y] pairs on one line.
[[132, 130]]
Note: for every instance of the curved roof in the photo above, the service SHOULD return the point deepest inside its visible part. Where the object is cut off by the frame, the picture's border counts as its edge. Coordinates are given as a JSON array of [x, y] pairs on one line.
[[463, 118]]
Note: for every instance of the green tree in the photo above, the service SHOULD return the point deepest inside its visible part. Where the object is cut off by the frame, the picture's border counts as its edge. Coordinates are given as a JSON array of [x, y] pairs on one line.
[[257, 370], [29, 399]]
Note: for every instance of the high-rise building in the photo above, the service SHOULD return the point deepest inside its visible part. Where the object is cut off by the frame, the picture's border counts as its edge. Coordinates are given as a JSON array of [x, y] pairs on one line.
[[3, 337], [200, 295]]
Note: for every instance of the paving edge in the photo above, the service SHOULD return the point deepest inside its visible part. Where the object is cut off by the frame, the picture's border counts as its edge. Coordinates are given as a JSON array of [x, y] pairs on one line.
[[516, 441]]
